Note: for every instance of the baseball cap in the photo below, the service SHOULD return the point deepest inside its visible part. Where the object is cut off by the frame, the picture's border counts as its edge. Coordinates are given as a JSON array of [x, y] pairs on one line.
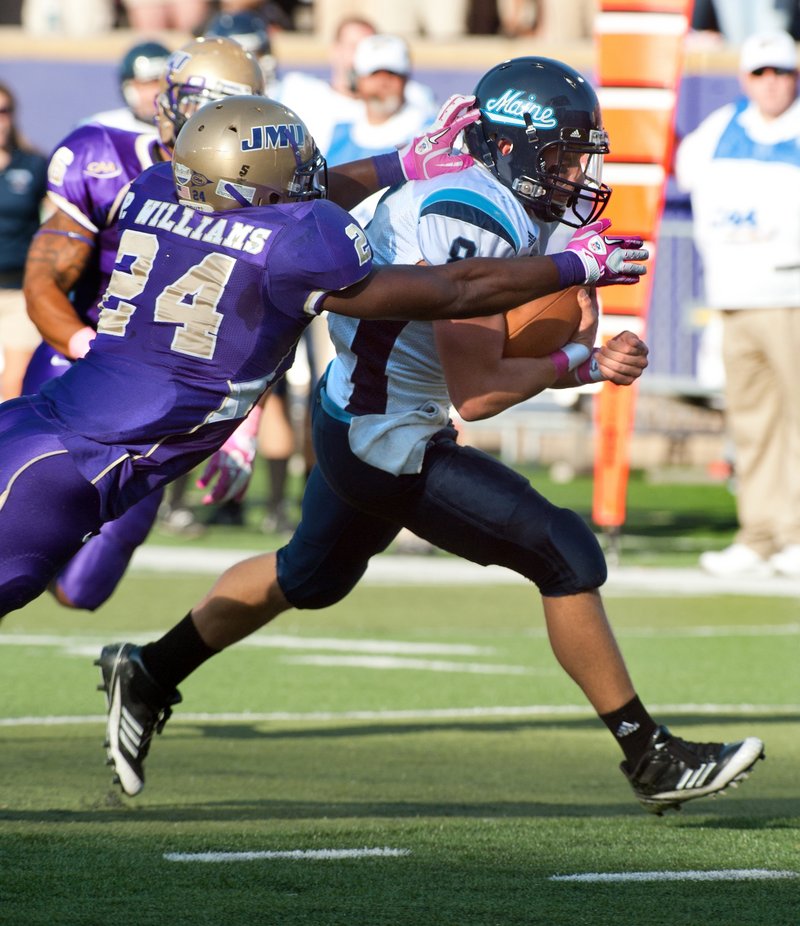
[[768, 50], [381, 53]]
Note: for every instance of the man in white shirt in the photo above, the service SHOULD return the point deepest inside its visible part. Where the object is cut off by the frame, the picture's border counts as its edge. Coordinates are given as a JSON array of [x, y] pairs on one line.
[[742, 168]]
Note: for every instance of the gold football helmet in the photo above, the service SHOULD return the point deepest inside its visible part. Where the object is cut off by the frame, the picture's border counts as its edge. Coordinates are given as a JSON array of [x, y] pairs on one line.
[[246, 151], [204, 70]]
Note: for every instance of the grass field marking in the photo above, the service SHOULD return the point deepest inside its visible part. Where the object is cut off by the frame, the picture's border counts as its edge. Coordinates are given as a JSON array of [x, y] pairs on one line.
[[294, 854], [404, 570], [725, 874], [426, 665], [82, 645], [446, 713], [282, 641]]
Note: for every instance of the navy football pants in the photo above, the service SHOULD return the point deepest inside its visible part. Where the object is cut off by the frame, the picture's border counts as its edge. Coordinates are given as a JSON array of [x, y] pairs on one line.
[[464, 501]]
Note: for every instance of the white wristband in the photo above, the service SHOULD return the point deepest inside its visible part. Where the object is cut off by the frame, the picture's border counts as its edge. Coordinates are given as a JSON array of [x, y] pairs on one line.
[[576, 354]]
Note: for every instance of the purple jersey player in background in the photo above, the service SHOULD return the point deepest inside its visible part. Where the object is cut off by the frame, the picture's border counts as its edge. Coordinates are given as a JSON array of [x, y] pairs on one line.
[[225, 256], [71, 261]]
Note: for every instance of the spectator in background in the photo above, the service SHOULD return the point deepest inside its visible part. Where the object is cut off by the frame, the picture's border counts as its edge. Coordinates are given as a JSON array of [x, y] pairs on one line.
[[157, 15], [735, 20], [67, 17], [140, 72], [23, 185], [321, 102], [250, 31], [387, 119], [442, 19], [273, 15], [742, 169]]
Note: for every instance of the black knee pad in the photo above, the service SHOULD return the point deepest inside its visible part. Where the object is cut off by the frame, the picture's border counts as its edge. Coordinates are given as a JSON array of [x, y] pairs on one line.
[[576, 558], [310, 587]]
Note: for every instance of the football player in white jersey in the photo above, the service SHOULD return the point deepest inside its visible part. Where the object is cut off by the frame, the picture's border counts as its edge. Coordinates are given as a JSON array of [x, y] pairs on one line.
[[387, 454]]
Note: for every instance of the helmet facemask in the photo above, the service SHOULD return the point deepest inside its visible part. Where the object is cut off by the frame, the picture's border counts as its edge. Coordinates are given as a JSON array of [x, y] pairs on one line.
[[567, 186]]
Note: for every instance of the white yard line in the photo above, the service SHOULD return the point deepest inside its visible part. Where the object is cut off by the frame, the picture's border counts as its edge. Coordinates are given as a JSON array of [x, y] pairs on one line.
[[392, 716], [443, 570], [293, 854], [725, 874]]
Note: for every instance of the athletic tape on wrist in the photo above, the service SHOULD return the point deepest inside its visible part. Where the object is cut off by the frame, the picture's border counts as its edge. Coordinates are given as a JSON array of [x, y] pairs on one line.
[[589, 371], [569, 357]]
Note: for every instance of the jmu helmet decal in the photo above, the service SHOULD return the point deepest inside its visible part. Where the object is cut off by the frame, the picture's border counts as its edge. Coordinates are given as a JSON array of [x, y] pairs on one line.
[[287, 135], [511, 107]]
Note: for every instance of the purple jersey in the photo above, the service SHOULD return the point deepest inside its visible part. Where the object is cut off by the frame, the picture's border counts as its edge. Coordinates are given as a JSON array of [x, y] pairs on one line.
[[86, 179], [202, 312]]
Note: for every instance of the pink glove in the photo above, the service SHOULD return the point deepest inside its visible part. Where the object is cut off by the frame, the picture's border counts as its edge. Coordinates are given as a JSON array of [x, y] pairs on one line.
[[431, 154], [232, 464], [607, 260]]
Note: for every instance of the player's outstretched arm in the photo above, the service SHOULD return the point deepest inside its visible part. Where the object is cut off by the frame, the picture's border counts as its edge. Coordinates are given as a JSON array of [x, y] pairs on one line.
[[426, 156], [58, 255], [487, 285]]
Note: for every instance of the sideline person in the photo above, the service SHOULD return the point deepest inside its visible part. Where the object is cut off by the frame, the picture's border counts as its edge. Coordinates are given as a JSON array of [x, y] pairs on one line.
[[742, 168]]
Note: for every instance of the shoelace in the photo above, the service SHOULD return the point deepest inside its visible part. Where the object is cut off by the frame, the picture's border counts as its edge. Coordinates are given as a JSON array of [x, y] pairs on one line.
[[693, 754]]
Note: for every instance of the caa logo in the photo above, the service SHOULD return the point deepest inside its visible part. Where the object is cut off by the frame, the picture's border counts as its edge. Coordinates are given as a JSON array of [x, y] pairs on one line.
[[102, 170], [291, 135]]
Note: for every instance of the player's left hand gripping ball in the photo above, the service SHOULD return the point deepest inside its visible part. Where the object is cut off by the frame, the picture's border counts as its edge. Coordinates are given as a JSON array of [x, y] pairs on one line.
[[432, 154]]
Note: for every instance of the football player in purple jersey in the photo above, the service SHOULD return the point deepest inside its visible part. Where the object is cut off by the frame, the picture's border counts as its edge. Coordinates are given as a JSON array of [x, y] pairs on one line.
[[72, 257], [225, 256], [388, 455]]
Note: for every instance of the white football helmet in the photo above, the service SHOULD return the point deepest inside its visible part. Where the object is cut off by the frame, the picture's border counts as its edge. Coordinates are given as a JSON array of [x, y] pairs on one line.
[[206, 69], [246, 151]]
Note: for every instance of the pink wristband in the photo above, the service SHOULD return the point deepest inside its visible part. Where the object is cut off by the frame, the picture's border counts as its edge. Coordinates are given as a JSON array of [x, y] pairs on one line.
[[569, 357], [589, 371]]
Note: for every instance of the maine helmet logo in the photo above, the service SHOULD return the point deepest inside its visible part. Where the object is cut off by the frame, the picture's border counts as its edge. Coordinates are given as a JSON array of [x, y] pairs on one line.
[[286, 135], [511, 107]]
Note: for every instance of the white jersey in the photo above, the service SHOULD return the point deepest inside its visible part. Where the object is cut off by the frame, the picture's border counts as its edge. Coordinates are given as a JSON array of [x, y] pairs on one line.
[[388, 375], [123, 118], [743, 174]]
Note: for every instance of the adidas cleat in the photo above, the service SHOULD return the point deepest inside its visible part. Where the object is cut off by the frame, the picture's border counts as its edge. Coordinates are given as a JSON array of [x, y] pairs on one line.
[[137, 707], [674, 771]]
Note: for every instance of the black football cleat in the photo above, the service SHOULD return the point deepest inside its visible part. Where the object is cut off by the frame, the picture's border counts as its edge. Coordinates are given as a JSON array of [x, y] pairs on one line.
[[137, 707], [674, 771]]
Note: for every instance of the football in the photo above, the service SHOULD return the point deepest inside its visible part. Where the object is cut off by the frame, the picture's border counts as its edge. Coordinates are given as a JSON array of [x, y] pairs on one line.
[[541, 326]]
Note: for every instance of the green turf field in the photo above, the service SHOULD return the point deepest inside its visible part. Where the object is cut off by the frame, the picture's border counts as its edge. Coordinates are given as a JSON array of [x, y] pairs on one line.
[[427, 734]]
